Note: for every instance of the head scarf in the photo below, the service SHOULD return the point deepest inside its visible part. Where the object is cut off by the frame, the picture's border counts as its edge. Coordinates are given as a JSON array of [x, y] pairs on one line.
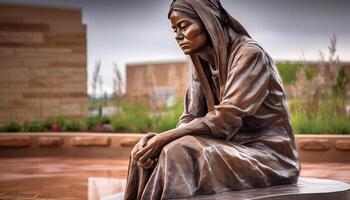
[[218, 23]]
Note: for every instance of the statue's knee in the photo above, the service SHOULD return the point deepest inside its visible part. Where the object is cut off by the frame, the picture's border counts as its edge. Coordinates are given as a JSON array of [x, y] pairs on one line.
[[177, 146]]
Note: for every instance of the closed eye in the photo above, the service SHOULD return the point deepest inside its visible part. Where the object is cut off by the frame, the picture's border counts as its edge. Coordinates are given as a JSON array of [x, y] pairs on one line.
[[174, 29], [184, 27]]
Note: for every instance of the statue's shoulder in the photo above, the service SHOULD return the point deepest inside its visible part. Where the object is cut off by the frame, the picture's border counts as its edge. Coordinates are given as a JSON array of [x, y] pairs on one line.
[[245, 46]]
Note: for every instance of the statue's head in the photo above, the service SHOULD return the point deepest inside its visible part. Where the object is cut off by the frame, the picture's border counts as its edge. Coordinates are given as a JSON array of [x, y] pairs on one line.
[[189, 30], [198, 23]]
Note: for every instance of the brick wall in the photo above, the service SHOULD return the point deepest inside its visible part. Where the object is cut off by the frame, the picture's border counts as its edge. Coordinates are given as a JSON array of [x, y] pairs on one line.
[[43, 69], [143, 78]]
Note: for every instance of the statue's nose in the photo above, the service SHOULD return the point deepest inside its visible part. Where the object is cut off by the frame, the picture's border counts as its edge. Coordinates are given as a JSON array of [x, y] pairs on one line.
[[179, 35]]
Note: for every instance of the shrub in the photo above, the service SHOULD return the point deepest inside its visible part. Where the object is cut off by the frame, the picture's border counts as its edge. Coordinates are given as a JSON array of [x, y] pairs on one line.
[[288, 71], [105, 120], [73, 126], [33, 126], [341, 84], [327, 116], [135, 117], [169, 118], [11, 127], [92, 122], [55, 124]]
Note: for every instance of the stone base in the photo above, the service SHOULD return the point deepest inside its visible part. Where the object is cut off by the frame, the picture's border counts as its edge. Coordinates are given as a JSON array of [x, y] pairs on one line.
[[305, 189]]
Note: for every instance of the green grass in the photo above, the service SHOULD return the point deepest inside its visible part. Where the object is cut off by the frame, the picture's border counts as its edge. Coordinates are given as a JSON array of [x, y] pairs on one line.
[[326, 116], [33, 126], [288, 71], [135, 117], [311, 116], [72, 126], [139, 117], [169, 118], [11, 127]]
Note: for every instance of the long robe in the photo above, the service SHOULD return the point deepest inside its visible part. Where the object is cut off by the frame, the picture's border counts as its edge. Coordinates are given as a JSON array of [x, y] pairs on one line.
[[250, 145]]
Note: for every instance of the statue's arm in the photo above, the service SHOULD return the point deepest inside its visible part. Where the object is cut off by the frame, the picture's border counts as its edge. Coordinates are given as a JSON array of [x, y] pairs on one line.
[[194, 103]]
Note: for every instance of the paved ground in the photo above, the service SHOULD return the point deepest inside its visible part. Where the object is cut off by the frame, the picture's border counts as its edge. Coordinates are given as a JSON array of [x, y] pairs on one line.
[[76, 179]]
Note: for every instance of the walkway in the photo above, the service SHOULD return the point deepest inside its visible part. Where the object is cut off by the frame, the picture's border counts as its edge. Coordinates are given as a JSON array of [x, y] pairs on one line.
[[77, 179]]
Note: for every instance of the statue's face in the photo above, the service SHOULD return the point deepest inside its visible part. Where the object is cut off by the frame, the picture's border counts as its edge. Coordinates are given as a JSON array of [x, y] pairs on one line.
[[191, 34]]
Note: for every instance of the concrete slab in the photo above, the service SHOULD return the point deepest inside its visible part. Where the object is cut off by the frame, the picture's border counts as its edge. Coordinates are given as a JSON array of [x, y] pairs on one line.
[[305, 189], [53, 177]]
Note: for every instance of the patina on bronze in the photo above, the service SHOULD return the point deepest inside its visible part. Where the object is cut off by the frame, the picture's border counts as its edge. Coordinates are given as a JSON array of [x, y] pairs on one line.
[[235, 131]]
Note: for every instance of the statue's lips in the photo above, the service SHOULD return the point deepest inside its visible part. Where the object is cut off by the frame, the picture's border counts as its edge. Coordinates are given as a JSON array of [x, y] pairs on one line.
[[184, 45]]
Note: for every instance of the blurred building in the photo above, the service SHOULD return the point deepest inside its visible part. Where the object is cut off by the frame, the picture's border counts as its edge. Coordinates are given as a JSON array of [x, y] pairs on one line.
[[159, 83], [43, 69]]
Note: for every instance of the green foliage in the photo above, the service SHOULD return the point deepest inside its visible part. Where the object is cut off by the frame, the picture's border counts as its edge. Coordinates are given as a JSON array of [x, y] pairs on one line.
[[33, 126], [316, 116], [59, 121], [92, 122], [11, 127], [309, 72], [341, 84], [169, 118], [135, 117], [288, 71], [105, 120], [73, 126]]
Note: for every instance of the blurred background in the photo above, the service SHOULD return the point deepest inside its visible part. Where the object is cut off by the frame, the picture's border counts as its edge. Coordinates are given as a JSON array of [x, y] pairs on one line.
[[125, 50], [85, 68]]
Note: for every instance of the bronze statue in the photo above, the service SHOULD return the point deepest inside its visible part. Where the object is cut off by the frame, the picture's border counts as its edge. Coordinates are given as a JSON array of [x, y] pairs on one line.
[[235, 131]]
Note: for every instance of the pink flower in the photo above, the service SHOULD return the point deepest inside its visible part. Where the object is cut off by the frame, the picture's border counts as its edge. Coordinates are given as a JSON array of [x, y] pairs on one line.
[[98, 128], [55, 128]]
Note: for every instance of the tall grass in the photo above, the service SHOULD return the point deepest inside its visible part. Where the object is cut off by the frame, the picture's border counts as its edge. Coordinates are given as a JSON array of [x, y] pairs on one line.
[[327, 116], [140, 117], [168, 118], [310, 116], [135, 117]]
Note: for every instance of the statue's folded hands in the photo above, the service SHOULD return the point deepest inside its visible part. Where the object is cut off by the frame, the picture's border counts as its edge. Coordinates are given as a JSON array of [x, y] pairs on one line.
[[146, 155]]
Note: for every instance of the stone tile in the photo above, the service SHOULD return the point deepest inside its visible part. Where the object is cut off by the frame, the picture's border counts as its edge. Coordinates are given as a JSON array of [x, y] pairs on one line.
[[66, 64], [78, 94], [46, 94], [34, 40], [65, 38], [68, 28], [54, 51], [19, 74], [4, 51], [21, 103], [91, 141], [20, 37], [50, 141], [79, 50], [42, 15], [129, 142], [314, 145], [15, 142], [343, 145], [20, 27]]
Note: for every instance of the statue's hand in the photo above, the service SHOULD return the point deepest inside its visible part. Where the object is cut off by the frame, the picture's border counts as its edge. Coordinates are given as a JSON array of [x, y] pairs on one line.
[[146, 157], [141, 143]]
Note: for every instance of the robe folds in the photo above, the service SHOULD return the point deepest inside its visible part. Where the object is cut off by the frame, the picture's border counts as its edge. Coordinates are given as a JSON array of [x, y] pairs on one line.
[[250, 145]]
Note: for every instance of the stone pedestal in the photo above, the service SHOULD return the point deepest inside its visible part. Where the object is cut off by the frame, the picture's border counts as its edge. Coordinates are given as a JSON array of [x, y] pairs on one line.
[[305, 189]]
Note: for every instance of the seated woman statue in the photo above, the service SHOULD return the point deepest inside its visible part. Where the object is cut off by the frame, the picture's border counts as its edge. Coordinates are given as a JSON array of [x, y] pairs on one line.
[[235, 131]]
